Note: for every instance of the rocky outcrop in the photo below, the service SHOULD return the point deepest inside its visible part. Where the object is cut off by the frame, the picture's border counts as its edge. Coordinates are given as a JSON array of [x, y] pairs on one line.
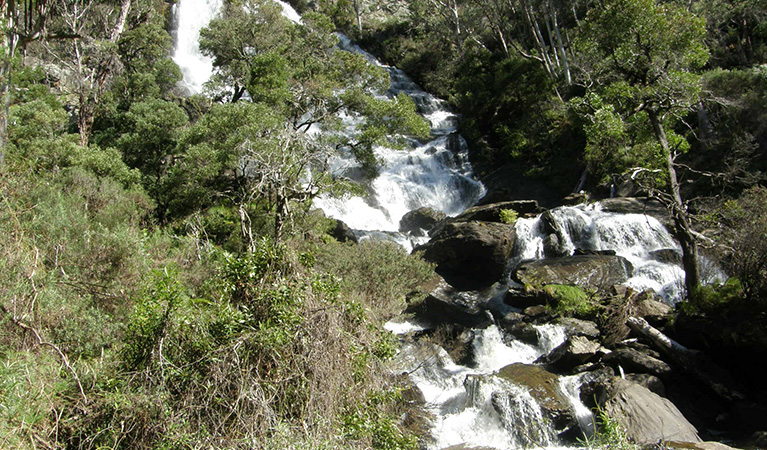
[[492, 212], [470, 255], [647, 417], [633, 360], [444, 305], [420, 219], [342, 233], [587, 271]]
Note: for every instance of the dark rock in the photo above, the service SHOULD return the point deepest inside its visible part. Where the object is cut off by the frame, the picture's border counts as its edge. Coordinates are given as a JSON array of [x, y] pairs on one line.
[[520, 298], [492, 212], [667, 255], [633, 360], [343, 233], [553, 246], [581, 251], [576, 198], [651, 382], [537, 312], [510, 183], [470, 255], [523, 331], [696, 446], [420, 219], [647, 417], [586, 271], [445, 305]]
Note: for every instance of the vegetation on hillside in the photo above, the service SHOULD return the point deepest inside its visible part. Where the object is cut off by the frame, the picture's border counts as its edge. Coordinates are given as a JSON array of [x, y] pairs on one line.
[[164, 282]]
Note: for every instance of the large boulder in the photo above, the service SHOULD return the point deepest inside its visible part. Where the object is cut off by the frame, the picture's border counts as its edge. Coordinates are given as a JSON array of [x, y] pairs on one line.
[[421, 219], [470, 255], [444, 305], [586, 271], [647, 417]]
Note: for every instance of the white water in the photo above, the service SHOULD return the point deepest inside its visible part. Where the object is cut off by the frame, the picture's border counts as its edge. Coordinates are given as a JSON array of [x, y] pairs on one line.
[[633, 236], [473, 407], [435, 174], [190, 17]]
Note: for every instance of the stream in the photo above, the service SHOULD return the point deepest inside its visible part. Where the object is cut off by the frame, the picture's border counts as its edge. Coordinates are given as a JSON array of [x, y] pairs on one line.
[[471, 404]]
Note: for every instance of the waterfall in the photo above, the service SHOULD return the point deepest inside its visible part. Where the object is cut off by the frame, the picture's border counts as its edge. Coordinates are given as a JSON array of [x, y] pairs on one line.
[[637, 237], [434, 174], [190, 16]]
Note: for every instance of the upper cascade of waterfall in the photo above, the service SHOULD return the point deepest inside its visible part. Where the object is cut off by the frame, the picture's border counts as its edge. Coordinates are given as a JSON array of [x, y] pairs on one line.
[[434, 174], [191, 16]]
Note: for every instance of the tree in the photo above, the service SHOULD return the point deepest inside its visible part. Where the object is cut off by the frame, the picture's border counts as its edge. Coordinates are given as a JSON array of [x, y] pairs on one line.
[[639, 59], [273, 151]]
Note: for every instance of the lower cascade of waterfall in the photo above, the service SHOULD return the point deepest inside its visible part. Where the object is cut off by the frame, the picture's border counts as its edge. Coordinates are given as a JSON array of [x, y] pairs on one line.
[[653, 253], [472, 405]]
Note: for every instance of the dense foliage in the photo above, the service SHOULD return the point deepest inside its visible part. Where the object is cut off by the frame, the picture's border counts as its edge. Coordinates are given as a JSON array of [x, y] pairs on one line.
[[163, 280]]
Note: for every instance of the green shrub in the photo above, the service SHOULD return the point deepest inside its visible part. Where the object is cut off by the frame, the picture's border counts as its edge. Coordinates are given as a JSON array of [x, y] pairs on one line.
[[570, 300], [509, 216]]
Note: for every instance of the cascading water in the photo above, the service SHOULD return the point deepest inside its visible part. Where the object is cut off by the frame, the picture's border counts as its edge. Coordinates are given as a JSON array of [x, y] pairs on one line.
[[190, 16], [435, 174], [636, 237], [472, 406]]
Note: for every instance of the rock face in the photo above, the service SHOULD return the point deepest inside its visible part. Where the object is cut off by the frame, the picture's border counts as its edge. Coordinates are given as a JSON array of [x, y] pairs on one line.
[[420, 219], [445, 306], [586, 271], [635, 361], [343, 233], [646, 416], [470, 255]]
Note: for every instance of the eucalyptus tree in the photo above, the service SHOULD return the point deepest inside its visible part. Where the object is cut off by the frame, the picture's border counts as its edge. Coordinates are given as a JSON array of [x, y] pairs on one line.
[[638, 63], [274, 148]]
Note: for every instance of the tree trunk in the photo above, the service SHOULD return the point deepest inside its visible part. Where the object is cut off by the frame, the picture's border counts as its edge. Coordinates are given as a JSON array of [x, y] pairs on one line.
[[683, 230]]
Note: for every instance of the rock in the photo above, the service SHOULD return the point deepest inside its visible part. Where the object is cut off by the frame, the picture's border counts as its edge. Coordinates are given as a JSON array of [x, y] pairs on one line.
[[509, 182], [697, 445], [420, 219], [343, 233], [578, 350], [537, 312], [492, 212], [520, 298], [651, 382], [587, 271], [544, 388], [576, 198], [647, 417], [553, 247], [651, 309], [445, 305], [632, 360], [470, 255], [667, 255], [578, 327]]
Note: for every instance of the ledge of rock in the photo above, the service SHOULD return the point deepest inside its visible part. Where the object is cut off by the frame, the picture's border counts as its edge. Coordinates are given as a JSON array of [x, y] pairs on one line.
[[586, 271]]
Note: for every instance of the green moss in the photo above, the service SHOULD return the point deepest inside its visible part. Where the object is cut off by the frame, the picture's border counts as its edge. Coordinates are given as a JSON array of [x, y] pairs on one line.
[[570, 300]]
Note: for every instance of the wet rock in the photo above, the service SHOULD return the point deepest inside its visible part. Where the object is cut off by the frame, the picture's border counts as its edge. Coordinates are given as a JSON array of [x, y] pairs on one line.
[[578, 350], [544, 388], [638, 205], [667, 255], [587, 271], [420, 219], [537, 313], [696, 446], [522, 298], [647, 417], [632, 360], [446, 305], [492, 212], [470, 255], [576, 198]]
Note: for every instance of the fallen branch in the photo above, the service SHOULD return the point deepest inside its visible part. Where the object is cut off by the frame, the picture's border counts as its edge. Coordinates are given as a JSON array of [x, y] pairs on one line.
[[691, 361]]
